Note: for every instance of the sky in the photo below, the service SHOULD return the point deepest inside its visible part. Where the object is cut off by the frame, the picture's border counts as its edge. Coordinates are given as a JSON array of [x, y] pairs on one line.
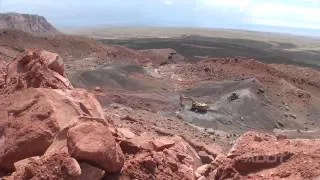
[[290, 16]]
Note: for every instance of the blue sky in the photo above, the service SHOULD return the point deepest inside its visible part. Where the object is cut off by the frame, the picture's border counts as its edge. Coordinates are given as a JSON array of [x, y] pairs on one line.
[[295, 16]]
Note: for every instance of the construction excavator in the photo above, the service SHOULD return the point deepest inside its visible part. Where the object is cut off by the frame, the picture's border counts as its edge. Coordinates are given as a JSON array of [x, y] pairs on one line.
[[195, 106]]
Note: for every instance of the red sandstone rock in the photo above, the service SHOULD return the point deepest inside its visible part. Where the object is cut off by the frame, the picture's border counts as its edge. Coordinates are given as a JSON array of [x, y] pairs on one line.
[[186, 153], [59, 144], [134, 145], [2, 73], [202, 171], [162, 143], [257, 155], [36, 69], [125, 133], [58, 166], [53, 61], [170, 158], [89, 172], [202, 178], [36, 116], [20, 165], [156, 165], [93, 142]]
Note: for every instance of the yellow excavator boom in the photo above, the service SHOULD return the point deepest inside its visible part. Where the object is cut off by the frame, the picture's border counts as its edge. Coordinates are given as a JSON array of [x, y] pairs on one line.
[[196, 106]]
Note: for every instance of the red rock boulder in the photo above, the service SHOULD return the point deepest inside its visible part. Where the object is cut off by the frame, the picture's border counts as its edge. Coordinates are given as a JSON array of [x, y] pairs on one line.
[[257, 155], [58, 166], [93, 142], [159, 158], [31, 119], [53, 61], [36, 69]]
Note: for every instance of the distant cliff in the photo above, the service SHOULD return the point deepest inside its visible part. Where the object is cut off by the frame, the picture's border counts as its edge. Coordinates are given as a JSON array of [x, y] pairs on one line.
[[27, 23]]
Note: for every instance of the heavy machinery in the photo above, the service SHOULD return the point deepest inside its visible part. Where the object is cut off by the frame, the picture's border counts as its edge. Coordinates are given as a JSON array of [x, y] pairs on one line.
[[195, 106], [233, 96]]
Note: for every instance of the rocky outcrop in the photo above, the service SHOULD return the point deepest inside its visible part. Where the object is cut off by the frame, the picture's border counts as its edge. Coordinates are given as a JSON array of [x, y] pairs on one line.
[[150, 157], [36, 69], [27, 23], [37, 116], [44, 123], [58, 166], [258, 155]]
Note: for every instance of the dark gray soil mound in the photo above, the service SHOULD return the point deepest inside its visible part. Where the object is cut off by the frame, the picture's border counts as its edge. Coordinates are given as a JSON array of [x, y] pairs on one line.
[[114, 77], [250, 111]]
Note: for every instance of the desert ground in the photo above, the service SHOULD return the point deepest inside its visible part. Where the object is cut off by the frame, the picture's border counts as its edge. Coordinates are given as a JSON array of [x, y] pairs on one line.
[[193, 44], [119, 104]]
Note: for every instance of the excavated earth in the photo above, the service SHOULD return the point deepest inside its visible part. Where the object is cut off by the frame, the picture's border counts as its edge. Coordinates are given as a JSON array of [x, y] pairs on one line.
[[103, 112], [272, 98]]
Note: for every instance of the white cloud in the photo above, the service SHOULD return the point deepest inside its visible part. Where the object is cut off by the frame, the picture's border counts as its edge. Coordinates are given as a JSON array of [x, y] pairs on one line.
[[314, 2], [292, 14], [168, 2], [279, 23], [284, 15], [238, 5]]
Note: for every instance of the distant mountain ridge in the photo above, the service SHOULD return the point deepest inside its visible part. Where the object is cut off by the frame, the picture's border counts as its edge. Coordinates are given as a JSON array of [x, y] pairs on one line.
[[26, 22]]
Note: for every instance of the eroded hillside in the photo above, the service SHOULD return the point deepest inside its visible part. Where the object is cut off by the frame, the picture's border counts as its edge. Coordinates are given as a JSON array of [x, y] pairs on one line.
[[96, 111]]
